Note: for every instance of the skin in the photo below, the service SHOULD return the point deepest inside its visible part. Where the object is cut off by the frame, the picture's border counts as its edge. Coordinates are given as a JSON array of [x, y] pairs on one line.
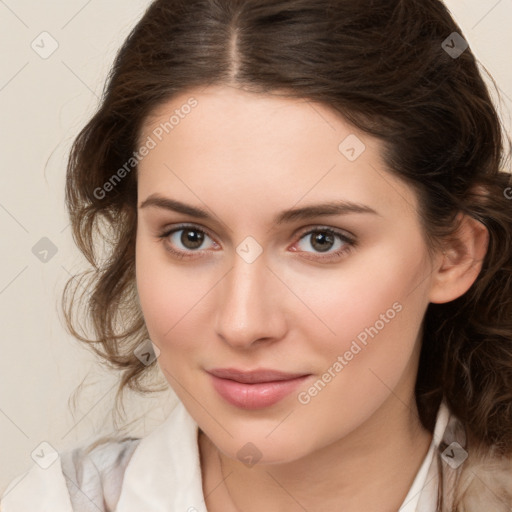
[[245, 157]]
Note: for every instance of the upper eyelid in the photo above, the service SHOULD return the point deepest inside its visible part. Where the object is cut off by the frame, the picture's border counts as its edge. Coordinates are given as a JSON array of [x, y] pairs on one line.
[[320, 227]]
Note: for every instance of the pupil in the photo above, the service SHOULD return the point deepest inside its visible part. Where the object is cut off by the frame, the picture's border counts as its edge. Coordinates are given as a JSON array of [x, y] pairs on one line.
[[192, 239], [324, 239]]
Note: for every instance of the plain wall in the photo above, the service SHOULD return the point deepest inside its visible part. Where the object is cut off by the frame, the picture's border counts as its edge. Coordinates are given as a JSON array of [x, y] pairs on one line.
[[44, 102]]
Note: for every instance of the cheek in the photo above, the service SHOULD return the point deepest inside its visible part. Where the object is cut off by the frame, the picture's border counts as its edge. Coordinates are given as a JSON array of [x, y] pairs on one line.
[[375, 309], [168, 295], [378, 294]]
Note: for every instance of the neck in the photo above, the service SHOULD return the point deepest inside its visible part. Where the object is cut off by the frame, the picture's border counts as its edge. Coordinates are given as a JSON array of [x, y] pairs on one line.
[[370, 469]]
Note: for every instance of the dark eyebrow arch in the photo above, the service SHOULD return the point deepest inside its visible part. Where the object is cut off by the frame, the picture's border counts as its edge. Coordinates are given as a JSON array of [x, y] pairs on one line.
[[293, 214]]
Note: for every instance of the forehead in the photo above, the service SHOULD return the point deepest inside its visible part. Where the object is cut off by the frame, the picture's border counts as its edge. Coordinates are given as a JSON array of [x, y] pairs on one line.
[[237, 117], [238, 145]]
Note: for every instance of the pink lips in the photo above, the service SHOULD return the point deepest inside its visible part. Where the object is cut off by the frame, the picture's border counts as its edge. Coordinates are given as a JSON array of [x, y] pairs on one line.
[[254, 389]]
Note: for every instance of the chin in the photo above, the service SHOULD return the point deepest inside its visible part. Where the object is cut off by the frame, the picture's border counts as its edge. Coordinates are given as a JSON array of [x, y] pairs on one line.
[[252, 446]]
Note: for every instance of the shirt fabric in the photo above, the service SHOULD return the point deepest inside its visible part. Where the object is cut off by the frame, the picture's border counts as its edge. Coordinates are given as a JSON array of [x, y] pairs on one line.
[[161, 473]]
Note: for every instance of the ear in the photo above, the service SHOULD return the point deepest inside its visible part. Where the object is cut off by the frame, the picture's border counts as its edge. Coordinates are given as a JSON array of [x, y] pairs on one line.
[[461, 260]]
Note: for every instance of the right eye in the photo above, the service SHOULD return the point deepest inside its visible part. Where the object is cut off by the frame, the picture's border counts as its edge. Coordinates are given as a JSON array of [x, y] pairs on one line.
[[185, 240]]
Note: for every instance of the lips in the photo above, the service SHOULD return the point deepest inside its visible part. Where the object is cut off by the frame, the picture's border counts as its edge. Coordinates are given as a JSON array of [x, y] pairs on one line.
[[254, 389], [254, 376]]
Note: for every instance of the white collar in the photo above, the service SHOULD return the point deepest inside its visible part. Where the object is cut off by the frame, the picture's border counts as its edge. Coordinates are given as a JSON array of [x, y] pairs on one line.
[[164, 472], [422, 494]]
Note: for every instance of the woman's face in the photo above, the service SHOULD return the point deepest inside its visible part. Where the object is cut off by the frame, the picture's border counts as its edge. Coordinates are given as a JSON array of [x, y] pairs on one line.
[[292, 250]]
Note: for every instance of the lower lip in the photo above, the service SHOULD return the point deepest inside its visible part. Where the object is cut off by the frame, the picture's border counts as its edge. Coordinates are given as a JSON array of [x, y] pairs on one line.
[[255, 396]]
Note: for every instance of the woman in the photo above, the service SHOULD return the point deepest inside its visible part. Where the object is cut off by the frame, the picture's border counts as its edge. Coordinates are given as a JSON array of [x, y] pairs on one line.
[[306, 216]]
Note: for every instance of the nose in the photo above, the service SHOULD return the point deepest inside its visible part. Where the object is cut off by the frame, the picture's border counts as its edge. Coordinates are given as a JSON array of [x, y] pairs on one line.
[[251, 305]]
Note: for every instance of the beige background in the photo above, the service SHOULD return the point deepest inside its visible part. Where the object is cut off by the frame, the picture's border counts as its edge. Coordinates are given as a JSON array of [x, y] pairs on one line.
[[43, 105]]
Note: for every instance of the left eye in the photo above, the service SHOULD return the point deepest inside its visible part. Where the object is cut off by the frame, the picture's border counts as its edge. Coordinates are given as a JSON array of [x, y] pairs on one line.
[[323, 240]]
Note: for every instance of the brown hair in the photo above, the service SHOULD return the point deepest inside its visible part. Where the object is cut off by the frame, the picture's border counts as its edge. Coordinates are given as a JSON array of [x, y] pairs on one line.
[[385, 67]]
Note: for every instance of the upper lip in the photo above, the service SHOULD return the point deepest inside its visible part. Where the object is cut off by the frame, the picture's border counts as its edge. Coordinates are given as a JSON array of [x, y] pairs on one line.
[[253, 376]]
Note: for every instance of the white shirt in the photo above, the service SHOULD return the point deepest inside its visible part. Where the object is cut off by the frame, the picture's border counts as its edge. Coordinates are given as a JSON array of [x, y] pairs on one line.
[[158, 473]]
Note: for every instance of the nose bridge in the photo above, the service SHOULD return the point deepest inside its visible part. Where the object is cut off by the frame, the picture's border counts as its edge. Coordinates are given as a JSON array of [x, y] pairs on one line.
[[248, 309]]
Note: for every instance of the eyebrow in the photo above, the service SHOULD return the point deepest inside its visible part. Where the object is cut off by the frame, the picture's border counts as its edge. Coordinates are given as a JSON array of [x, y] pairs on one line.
[[340, 207]]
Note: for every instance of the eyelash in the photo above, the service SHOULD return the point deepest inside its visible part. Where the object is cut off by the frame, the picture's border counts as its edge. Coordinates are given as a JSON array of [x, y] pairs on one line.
[[349, 243]]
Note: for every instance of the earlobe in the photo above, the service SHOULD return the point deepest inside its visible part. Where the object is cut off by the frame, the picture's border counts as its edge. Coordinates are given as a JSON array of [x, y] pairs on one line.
[[461, 261]]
